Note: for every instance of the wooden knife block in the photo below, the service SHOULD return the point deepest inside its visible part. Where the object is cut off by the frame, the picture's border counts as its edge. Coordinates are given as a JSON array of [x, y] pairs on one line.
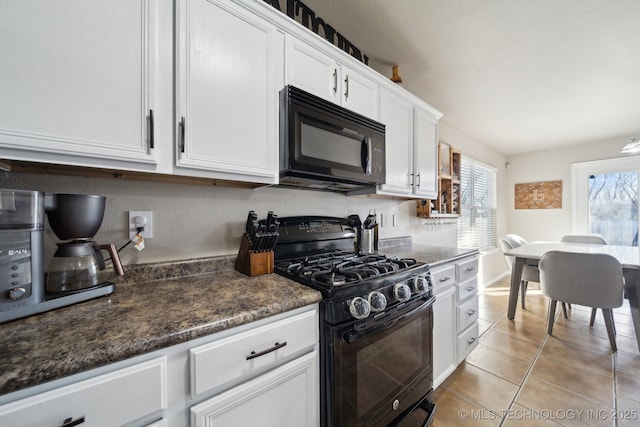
[[253, 263]]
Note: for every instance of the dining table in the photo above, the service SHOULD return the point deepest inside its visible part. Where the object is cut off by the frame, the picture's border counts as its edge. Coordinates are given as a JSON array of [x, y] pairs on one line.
[[628, 256]]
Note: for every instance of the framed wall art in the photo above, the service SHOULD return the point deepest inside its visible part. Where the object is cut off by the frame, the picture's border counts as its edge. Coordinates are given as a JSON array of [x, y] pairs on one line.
[[539, 195]]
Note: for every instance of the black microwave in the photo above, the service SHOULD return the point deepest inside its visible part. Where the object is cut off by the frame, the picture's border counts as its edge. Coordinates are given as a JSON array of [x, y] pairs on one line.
[[326, 147]]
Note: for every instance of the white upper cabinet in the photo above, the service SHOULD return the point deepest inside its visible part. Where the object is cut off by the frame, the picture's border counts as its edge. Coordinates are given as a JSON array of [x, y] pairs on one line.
[[410, 147], [78, 82], [229, 73], [396, 113], [310, 69], [425, 153]]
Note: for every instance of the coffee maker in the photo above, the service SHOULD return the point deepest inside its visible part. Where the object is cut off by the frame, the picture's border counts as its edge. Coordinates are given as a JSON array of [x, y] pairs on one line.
[[72, 275]]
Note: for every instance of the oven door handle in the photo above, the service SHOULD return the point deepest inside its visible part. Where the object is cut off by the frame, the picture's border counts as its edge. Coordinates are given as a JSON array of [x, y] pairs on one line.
[[353, 335]]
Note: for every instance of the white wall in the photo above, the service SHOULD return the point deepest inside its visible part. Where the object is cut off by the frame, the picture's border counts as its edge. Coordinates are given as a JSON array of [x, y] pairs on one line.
[[550, 224]]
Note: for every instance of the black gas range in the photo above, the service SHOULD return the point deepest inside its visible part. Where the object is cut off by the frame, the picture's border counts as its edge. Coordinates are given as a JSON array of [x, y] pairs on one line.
[[375, 323]]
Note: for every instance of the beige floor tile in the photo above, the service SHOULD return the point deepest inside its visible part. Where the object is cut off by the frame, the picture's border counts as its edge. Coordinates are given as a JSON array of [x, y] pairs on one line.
[[486, 389], [510, 344], [520, 416], [506, 366], [628, 385], [590, 383], [484, 326], [456, 411], [534, 332], [563, 406], [628, 362], [592, 360], [490, 314], [627, 412]]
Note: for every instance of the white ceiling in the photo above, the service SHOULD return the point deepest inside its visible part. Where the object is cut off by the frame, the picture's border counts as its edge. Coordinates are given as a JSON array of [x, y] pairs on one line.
[[517, 75]]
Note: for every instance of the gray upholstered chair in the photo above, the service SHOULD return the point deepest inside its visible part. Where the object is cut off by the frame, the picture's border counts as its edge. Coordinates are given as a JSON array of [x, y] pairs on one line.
[[530, 273], [589, 239], [592, 280]]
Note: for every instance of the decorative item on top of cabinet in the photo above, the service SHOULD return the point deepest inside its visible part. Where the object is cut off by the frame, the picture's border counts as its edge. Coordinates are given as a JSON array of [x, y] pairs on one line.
[[447, 204], [396, 76]]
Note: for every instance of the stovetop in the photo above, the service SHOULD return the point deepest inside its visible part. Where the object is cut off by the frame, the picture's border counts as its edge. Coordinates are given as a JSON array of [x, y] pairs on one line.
[[343, 273], [319, 252]]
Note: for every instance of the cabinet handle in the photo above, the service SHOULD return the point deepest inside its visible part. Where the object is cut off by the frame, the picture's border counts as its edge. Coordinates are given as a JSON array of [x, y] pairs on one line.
[[445, 279], [181, 132], [471, 341], [70, 422], [471, 312], [346, 89], [470, 288], [275, 347], [335, 80], [470, 268], [151, 131], [418, 184]]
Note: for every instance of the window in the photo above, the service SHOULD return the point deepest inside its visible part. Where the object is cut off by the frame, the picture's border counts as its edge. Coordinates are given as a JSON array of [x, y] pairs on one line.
[[605, 199], [477, 223]]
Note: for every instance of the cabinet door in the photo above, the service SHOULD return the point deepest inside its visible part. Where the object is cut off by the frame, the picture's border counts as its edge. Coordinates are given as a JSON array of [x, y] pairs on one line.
[[397, 114], [444, 336], [359, 93], [425, 154], [309, 69], [78, 80], [230, 69], [284, 397]]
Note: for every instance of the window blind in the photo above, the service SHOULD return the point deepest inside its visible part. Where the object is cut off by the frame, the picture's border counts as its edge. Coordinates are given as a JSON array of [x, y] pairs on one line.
[[477, 222]]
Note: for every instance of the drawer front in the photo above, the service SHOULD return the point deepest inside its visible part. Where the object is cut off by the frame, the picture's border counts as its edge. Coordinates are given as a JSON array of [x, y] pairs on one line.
[[239, 357], [106, 400], [443, 277], [467, 269], [467, 313], [467, 288], [467, 341]]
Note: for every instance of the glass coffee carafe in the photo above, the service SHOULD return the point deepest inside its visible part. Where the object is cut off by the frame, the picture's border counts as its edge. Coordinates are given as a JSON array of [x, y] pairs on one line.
[[75, 265]]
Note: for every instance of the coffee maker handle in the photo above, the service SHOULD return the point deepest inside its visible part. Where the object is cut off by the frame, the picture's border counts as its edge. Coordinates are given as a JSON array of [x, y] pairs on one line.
[[115, 259]]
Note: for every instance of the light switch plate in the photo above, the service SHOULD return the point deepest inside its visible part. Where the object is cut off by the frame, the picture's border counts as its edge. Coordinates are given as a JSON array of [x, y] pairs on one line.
[[147, 218]]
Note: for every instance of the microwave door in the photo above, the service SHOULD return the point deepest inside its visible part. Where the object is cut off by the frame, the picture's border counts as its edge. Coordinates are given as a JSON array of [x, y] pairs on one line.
[[334, 148]]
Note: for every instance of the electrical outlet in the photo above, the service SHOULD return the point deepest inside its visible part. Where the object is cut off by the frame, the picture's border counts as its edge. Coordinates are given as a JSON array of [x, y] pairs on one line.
[[138, 218]]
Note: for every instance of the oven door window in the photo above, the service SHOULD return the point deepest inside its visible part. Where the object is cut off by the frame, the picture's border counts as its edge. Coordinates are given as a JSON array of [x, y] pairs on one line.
[[374, 371]]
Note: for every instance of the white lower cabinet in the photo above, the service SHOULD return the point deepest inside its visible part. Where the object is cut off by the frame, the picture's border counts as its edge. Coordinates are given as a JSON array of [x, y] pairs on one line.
[[455, 314], [284, 397], [118, 398], [444, 336], [262, 373]]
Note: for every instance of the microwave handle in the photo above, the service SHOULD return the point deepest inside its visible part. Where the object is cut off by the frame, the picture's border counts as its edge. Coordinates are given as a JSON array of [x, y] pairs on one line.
[[367, 146]]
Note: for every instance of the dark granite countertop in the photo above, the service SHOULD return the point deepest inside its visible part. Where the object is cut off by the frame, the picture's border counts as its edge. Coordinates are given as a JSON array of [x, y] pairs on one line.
[[156, 306], [432, 255]]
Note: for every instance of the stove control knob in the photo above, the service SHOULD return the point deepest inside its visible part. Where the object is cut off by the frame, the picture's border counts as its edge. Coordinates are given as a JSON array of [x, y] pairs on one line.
[[359, 308], [401, 292], [377, 301], [419, 284]]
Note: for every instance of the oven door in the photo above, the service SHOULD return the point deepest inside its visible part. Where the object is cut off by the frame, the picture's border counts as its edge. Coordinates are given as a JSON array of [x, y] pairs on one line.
[[382, 370]]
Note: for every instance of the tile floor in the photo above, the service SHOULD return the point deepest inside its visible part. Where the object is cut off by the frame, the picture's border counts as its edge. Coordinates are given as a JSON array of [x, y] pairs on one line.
[[520, 376]]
